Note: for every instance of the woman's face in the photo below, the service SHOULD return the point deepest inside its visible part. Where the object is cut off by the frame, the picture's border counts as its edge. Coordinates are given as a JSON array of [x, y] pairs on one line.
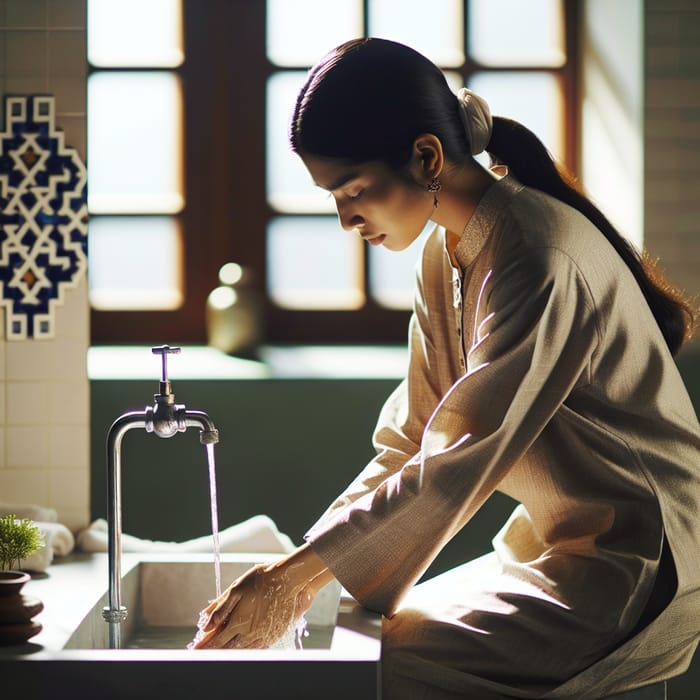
[[382, 207]]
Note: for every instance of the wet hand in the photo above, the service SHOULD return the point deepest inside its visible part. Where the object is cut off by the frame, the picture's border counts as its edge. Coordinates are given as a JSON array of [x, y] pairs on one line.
[[254, 611]]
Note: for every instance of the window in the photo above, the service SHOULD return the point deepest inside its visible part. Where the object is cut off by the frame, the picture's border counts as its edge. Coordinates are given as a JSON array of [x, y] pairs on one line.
[[135, 150], [190, 168]]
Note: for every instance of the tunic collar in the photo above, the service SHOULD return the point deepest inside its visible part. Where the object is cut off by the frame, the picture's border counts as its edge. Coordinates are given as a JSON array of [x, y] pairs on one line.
[[487, 212]]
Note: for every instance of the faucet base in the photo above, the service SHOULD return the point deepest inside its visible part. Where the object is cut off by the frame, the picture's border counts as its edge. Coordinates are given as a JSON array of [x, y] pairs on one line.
[[110, 615]]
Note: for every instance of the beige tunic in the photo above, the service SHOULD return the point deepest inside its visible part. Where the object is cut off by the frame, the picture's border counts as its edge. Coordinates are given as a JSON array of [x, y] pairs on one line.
[[536, 369]]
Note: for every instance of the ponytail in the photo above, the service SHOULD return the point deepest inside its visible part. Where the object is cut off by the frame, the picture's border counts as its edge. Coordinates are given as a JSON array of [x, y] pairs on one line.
[[529, 161]]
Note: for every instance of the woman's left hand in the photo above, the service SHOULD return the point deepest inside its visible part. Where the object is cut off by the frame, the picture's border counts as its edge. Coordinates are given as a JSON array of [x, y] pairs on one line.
[[257, 609]]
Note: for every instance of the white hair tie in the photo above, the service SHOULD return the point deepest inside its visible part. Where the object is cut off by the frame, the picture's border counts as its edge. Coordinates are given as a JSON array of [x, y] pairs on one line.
[[476, 119]]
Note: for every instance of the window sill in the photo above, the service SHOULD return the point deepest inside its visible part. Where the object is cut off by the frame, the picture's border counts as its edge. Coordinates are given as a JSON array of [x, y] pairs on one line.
[[276, 362]]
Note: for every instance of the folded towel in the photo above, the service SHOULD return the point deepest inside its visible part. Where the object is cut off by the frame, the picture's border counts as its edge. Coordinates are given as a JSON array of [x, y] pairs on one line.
[[257, 534], [58, 541]]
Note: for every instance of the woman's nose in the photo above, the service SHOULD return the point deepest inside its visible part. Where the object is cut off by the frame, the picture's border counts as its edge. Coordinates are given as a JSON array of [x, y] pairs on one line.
[[348, 217]]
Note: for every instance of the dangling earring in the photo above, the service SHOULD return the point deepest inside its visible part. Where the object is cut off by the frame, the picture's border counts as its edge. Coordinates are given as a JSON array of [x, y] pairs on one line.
[[434, 186]]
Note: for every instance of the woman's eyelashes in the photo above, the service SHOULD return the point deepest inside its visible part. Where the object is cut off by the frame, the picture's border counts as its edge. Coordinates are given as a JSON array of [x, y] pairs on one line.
[[351, 197]]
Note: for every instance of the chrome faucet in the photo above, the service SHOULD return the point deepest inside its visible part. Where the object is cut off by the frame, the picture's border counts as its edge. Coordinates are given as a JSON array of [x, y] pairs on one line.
[[164, 418]]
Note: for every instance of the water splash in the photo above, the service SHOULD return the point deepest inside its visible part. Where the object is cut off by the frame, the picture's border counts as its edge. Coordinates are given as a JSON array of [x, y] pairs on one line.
[[214, 517]]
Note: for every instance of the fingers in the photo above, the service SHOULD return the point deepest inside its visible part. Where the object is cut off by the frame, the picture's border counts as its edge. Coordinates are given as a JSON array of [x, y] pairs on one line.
[[222, 636], [251, 613], [222, 612]]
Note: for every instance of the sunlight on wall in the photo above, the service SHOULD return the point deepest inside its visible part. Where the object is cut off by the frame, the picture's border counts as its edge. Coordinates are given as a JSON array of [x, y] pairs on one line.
[[612, 127]]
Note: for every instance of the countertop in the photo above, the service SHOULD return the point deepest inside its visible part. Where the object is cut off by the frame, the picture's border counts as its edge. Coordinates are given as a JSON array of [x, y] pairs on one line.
[[69, 589], [72, 588]]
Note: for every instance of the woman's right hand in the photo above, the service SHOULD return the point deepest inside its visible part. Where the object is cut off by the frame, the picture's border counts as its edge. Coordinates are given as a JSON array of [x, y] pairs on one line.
[[257, 609]]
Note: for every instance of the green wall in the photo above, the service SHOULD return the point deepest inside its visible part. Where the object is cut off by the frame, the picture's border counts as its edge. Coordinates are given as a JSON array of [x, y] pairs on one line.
[[287, 448]]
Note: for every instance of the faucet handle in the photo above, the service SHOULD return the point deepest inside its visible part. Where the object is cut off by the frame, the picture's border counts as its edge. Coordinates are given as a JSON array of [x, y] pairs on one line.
[[164, 351]]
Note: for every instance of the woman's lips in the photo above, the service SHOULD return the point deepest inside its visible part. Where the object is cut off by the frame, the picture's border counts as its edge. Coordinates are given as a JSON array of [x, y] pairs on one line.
[[377, 240]]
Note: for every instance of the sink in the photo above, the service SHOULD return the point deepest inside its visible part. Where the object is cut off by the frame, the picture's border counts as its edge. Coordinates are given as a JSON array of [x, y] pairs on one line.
[[340, 657], [164, 598]]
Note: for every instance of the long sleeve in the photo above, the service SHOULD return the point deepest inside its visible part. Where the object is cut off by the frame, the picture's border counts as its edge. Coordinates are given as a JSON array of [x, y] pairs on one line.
[[535, 331]]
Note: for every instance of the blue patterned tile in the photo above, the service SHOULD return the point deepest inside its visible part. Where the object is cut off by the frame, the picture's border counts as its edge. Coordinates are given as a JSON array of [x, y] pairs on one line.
[[43, 218]]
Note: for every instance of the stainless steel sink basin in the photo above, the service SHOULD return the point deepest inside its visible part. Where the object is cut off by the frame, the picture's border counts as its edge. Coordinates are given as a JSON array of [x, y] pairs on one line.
[[164, 597]]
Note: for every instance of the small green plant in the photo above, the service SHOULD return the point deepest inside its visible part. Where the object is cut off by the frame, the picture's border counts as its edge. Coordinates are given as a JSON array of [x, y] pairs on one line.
[[19, 539]]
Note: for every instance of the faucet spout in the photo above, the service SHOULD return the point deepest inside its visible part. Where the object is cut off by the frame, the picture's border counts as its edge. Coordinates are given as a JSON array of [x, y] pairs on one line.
[[208, 434]]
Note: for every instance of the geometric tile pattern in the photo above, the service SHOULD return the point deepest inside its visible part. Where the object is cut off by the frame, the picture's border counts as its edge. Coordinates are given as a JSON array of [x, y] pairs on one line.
[[43, 218]]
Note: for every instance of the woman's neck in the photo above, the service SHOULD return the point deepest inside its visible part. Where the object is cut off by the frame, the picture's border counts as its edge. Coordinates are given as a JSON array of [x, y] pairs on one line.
[[462, 190]]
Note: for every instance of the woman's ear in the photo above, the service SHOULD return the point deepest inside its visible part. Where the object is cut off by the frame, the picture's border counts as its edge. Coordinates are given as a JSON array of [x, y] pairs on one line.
[[428, 159]]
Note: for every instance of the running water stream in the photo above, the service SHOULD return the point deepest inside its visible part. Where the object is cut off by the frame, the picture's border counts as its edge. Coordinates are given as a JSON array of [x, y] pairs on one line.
[[214, 517]]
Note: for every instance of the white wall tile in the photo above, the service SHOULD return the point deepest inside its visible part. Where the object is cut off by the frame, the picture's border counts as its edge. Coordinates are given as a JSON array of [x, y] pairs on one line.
[[68, 489], [24, 486], [24, 63], [69, 403], [67, 13], [27, 13], [69, 359], [75, 519], [29, 359], [72, 316], [68, 447], [67, 53], [26, 403], [26, 447]]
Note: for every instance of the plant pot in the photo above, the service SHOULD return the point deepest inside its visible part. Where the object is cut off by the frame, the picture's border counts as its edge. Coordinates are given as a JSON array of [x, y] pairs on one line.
[[16, 609]]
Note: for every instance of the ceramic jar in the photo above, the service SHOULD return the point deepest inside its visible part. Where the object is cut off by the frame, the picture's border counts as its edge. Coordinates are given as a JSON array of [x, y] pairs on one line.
[[17, 609], [234, 313]]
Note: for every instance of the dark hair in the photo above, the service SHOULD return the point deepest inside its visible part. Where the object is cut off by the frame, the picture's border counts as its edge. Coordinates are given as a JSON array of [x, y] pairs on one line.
[[368, 99]]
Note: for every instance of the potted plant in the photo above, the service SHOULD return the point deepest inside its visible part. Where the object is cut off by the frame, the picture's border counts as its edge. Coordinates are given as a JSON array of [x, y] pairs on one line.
[[19, 539]]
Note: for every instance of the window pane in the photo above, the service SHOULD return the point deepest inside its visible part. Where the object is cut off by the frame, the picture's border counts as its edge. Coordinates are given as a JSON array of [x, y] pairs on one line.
[[126, 33], [135, 143], [392, 274], [434, 28], [313, 264], [293, 35], [517, 33], [534, 99], [289, 185], [135, 263]]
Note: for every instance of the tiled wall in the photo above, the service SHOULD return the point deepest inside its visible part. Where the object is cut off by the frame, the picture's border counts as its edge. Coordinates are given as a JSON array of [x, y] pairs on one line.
[[44, 392], [672, 141]]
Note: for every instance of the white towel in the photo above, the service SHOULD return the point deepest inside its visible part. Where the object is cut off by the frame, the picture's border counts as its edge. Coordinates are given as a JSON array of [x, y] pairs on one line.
[[257, 534], [58, 541]]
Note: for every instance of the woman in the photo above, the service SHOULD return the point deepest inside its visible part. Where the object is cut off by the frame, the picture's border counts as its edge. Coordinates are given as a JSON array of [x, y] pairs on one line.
[[541, 366]]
